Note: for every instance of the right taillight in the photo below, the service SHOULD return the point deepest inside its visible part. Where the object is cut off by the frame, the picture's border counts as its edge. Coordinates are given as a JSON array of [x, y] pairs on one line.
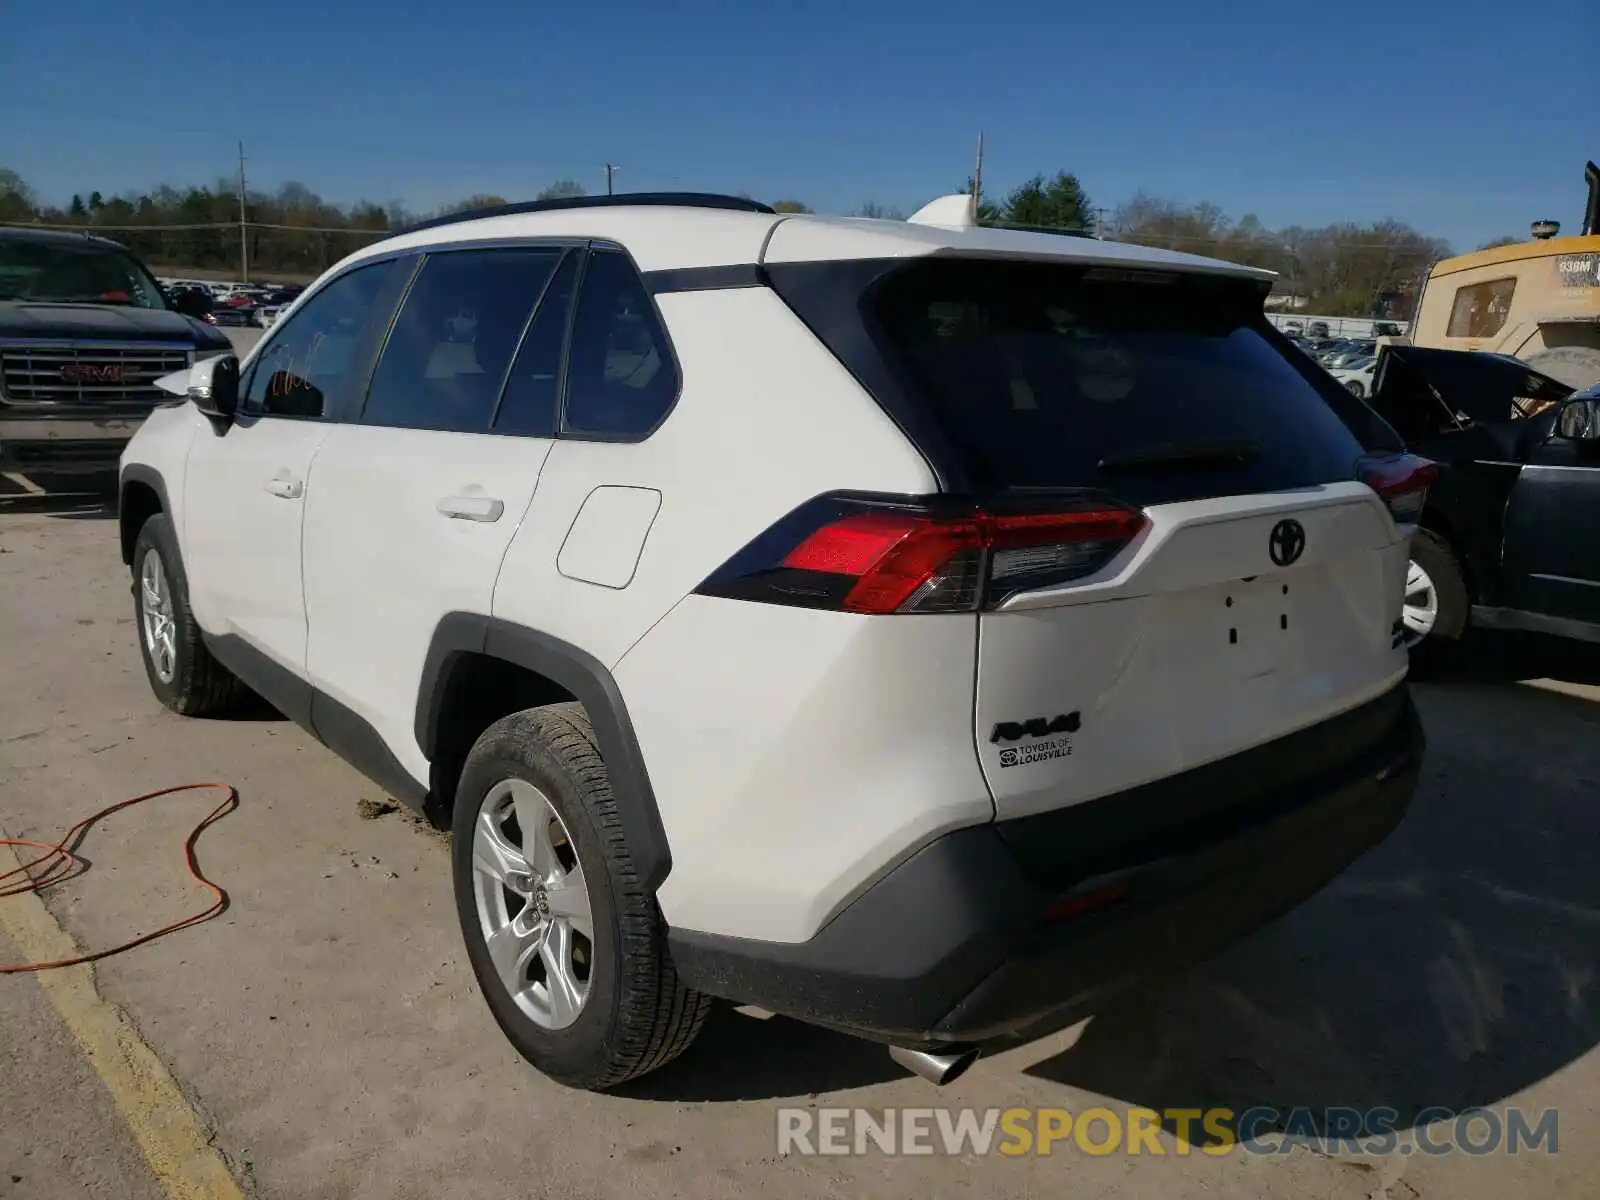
[[887, 555], [1402, 482]]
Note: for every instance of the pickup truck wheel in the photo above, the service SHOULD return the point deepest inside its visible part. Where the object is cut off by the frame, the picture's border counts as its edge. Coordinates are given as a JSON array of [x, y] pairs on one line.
[[182, 672], [569, 950], [1437, 605]]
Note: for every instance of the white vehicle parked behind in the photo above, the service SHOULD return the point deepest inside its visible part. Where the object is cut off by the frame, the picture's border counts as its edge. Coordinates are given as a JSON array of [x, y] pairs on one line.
[[1356, 376], [910, 627]]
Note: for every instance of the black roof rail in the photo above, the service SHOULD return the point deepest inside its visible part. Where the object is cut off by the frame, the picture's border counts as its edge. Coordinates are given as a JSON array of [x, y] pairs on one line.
[[620, 200]]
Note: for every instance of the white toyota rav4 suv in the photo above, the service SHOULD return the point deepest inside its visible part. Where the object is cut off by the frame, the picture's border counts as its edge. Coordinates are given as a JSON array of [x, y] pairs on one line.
[[910, 627]]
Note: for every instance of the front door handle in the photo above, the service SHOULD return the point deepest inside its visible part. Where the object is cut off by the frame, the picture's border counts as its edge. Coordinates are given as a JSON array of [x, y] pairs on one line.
[[472, 508], [285, 488]]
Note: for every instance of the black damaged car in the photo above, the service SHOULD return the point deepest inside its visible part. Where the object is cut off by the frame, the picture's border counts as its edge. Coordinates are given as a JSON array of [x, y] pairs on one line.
[[85, 331], [1510, 537]]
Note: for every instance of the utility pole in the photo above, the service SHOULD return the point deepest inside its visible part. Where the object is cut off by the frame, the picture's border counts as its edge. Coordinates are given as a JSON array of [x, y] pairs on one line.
[[244, 235], [1100, 223], [610, 167], [977, 178]]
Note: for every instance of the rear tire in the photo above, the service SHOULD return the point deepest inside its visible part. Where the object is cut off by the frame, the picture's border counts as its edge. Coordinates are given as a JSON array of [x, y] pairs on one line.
[[582, 986], [182, 673], [1438, 605], [1576, 366]]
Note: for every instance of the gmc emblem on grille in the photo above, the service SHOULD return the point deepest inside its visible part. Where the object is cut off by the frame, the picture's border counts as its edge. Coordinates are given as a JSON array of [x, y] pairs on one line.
[[1036, 727], [92, 372]]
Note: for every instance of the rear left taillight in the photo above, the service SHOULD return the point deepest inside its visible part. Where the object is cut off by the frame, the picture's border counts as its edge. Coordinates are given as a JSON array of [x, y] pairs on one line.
[[1402, 482], [882, 555]]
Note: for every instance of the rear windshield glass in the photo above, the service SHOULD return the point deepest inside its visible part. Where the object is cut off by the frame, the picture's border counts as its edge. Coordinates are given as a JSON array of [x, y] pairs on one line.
[[1058, 376]]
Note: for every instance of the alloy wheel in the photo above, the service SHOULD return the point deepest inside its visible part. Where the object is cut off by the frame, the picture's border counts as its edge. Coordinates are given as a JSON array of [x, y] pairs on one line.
[[155, 611], [533, 903]]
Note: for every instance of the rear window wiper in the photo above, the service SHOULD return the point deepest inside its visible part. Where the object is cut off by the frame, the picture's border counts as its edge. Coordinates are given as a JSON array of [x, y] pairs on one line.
[[1182, 456]]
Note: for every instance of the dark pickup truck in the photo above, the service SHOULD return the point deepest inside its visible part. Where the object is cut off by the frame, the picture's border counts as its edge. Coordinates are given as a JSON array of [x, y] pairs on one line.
[[85, 331]]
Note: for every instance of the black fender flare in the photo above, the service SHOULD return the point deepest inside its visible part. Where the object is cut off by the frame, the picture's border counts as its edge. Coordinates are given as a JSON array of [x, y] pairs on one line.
[[150, 477], [590, 683]]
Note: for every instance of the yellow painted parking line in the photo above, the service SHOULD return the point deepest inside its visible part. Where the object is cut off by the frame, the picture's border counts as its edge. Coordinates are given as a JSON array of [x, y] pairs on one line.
[[169, 1133]]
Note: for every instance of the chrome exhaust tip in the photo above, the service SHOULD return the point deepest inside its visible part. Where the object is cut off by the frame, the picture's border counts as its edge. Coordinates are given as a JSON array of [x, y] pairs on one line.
[[946, 1066]]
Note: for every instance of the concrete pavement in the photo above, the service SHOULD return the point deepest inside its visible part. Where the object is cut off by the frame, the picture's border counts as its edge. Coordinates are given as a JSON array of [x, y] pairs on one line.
[[328, 1026]]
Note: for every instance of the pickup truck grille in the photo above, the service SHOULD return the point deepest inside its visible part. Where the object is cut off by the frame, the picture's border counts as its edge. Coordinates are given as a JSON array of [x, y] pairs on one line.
[[87, 372]]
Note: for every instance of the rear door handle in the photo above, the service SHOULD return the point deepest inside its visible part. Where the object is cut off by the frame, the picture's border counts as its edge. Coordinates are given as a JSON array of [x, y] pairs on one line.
[[472, 508], [285, 488]]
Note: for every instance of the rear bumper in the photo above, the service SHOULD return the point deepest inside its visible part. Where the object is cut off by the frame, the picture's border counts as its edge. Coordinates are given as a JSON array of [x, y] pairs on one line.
[[993, 928], [64, 443]]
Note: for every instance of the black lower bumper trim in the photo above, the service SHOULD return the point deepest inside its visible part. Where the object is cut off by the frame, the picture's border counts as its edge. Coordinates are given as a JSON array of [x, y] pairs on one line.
[[957, 944]]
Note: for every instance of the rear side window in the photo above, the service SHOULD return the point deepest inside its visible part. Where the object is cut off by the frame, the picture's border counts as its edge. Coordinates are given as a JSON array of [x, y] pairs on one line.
[[621, 377], [451, 346], [1051, 376]]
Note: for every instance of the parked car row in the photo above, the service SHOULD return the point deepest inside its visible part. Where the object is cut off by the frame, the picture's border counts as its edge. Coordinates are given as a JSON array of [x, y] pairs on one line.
[[231, 304]]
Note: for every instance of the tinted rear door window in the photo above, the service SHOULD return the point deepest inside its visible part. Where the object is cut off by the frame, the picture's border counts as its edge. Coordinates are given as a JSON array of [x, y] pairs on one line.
[[1039, 373], [533, 390], [452, 343]]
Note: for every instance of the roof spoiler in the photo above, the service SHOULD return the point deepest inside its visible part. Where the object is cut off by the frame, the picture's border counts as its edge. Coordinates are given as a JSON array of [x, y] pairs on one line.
[[1591, 212]]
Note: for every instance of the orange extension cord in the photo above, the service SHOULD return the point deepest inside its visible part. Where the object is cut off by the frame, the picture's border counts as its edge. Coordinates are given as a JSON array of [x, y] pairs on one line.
[[60, 864]]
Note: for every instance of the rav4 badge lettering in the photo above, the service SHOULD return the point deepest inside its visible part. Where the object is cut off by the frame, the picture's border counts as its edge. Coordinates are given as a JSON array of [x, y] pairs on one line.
[[1036, 727]]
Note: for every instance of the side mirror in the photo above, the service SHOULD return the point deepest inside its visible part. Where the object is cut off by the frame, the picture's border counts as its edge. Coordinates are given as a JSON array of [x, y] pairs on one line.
[[214, 387], [1580, 420]]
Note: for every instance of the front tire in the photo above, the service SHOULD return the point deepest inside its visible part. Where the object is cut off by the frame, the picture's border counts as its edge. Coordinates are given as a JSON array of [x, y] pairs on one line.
[[1438, 606], [569, 950], [182, 673]]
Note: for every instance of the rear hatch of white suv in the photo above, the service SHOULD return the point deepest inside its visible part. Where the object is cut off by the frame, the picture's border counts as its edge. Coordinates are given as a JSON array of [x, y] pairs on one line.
[[1180, 540]]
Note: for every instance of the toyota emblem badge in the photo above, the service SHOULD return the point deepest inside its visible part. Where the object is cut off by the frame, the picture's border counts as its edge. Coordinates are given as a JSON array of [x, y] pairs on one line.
[[1287, 542]]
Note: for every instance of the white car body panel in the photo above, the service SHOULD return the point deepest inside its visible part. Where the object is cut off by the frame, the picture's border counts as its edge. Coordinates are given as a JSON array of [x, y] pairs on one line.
[[712, 463], [161, 444], [782, 802], [384, 564], [242, 509], [1192, 646]]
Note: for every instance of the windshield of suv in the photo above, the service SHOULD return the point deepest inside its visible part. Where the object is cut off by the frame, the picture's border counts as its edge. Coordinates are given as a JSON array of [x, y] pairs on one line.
[[65, 272], [1042, 374]]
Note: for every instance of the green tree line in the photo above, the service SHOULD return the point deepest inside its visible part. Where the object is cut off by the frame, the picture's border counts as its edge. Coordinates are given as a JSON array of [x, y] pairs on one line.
[[1342, 269]]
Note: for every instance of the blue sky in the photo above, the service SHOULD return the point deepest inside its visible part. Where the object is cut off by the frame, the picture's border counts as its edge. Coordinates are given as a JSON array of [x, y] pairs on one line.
[[1466, 118]]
